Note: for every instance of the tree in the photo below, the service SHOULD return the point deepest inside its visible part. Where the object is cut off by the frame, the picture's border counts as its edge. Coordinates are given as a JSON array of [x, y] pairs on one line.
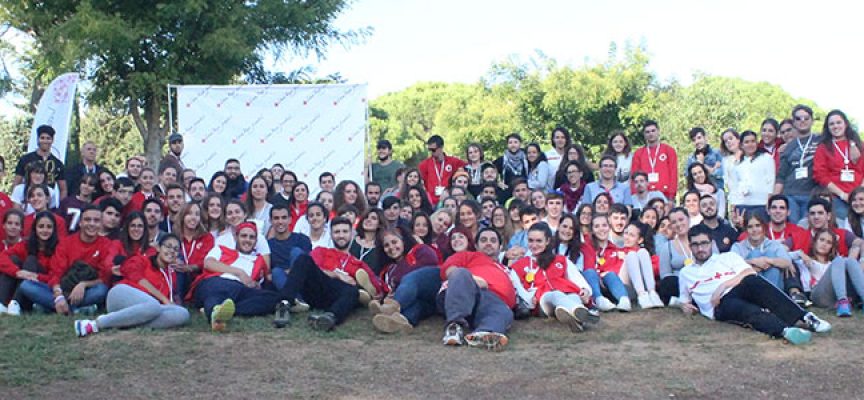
[[130, 51]]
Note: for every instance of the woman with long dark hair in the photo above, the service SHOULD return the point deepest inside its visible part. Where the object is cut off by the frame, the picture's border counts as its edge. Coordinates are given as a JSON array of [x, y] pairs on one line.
[[575, 153], [540, 177], [699, 179], [570, 243], [837, 164], [560, 139], [297, 202], [28, 260], [218, 184], [257, 205], [38, 197], [134, 236], [752, 179], [618, 146], [349, 192], [416, 197], [364, 246], [13, 225]]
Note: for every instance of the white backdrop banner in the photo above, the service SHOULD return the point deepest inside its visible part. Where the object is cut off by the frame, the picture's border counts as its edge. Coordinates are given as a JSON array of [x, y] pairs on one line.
[[309, 129], [55, 109]]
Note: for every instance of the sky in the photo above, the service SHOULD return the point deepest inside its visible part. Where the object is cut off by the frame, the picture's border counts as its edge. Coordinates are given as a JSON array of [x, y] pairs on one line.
[[811, 49]]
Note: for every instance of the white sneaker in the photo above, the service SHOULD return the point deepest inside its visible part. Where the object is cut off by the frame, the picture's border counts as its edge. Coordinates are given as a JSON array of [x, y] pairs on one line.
[[604, 304], [624, 304], [674, 302], [817, 324], [14, 308], [3, 309], [655, 298], [644, 301]]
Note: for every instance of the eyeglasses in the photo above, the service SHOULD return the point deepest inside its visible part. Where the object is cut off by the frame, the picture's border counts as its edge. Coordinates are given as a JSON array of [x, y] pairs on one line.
[[700, 244]]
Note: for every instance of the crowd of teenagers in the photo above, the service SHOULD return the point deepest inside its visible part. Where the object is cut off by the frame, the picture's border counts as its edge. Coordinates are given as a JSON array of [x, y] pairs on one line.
[[769, 225]]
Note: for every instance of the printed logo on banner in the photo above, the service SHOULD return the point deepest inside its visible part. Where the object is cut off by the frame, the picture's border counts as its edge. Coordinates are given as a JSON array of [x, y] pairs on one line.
[[62, 92], [320, 162], [230, 94], [356, 132], [312, 95], [288, 93], [344, 94], [347, 164], [305, 128], [198, 95], [217, 128], [277, 128], [264, 163], [205, 162], [258, 93], [247, 130], [335, 128], [191, 128]]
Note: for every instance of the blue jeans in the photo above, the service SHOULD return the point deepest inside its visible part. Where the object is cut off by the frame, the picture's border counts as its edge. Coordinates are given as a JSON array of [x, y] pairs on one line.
[[247, 301], [610, 280], [774, 276], [416, 293], [40, 293], [474, 308], [797, 207], [280, 271]]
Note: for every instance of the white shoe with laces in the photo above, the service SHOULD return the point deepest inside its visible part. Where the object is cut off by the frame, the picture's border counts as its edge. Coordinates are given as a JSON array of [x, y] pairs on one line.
[[816, 324], [644, 301], [655, 298], [624, 304], [604, 304], [14, 309], [674, 302]]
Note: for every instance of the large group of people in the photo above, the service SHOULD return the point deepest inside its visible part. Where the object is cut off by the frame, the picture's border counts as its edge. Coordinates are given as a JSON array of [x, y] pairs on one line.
[[763, 228]]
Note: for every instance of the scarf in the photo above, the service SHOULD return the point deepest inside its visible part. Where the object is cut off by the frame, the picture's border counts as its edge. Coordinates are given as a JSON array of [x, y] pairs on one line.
[[515, 162]]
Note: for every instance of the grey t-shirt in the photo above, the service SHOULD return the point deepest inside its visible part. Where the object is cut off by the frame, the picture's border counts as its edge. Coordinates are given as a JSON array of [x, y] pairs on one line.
[[792, 159], [386, 174]]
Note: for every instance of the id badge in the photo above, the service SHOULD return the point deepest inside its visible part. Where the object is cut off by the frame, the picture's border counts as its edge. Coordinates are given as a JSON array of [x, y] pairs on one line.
[[653, 177], [439, 190], [847, 175], [801, 173]]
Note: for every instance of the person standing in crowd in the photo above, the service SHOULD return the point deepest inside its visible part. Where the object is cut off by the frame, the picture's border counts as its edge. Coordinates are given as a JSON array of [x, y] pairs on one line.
[[197, 189], [618, 146], [705, 155], [87, 166], [55, 175], [699, 180], [560, 140], [539, 175], [373, 194], [438, 168], [837, 164], [384, 171], [132, 170], [235, 182], [795, 176], [658, 160], [513, 164], [175, 151], [607, 183], [752, 179]]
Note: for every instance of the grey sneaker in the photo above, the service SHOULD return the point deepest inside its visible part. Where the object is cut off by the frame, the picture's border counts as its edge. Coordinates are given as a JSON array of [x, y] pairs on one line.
[[282, 317], [454, 335], [816, 324], [492, 341], [322, 322]]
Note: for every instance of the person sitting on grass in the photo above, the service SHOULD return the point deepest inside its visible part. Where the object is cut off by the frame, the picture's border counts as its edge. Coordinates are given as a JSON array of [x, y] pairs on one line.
[[550, 281], [27, 260], [324, 287], [832, 276], [641, 264], [724, 287], [478, 296], [338, 260], [769, 258], [231, 281], [145, 295], [607, 268]]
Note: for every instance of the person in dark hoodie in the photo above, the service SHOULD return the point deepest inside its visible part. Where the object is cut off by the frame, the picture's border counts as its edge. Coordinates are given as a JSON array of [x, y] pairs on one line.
[[236, 182]]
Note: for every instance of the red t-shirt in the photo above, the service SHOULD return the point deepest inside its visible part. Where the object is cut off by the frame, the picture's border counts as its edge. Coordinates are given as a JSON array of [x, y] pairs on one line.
[[437, 173], [332, 260], [136, 268], [59, 221], [20, 251], [98, 254], [482, 266]]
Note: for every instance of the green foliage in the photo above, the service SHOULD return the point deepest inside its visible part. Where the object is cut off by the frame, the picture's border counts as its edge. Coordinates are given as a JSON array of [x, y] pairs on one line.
[[114, 135], [13, 142]]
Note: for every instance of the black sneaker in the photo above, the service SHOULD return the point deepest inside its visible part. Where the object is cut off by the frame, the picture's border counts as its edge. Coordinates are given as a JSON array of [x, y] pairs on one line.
[[282, 317], [801, 299], [522, 310], [322, 322]]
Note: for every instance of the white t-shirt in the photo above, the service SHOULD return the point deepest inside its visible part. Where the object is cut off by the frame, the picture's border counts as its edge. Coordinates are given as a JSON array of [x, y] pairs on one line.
[[17, 197], [698, 282], [246, 262], [554, 160], [226, 239]]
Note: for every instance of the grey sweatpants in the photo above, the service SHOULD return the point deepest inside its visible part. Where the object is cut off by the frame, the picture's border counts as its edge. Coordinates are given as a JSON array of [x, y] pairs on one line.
[[128, 307], [843, 274]]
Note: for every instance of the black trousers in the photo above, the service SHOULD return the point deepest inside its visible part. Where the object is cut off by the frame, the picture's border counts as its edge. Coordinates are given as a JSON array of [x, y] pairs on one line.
[[9, 284], [758, 304], [668, 288], [307, 281]]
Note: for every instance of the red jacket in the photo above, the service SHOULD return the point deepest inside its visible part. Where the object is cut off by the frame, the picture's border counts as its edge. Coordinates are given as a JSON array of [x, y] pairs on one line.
[[195, 251], [793, 237], [482, 266], [774, 152], [20, 251], [666, 166], [98, 254], [554, 277], [435, 174], [827, 167], [420, 255], [228, 257], [609, 259], [136, 268], [297, 211], [59, 221], [331, 260]]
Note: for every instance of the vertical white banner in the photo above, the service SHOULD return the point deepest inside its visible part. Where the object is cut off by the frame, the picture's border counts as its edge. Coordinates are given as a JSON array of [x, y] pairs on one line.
[[309, 129], [55, 109]]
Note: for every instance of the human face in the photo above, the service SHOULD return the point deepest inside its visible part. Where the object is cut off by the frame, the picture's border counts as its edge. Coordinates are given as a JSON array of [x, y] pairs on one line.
[[268, 177], [837, 127], [488, 207], [499, 218], [532, 153], [37, 177], [824, 243], [214, 208], [246, 239], [572, 154], [488, 244], [514, 216], [803, 121], [649, 218], [538, 200], [175, 199], [136, 229], [528, 220], [168, 251], [392, 213], [585, 216], [89, 152], [44, 228], [288, 182], [600, 228], [473, 154], [574, 175], [788, 132], [45, 142], [607, 170], [755, 230], [640, 183], [440, 223], [488, 192], [451, 204], [857, 203], [234, 215], [340, 234], [700, 246], [373, 194], [123, 194], [732, 143], [192, 218], [691, 203], [461, 181], [350, 194], [434, 150], [110, 218], [168, 176], [38, 200], [618, 221], [513, 145], [301, 193], [153, 214], [779, 212], [698, 173], [708, 207], [601, 204], [420, 227], [490, 174], [258, 190], [90, 223], [632, 236], [818, 217], [559, 140], [665, 228], [12, 227], [679, 223], [406, 212], [106, 182], [197, 191], [749, 145], [458, 242], [699, 141], [232, 170], [384, 153], [769, 134], [521, 192], [412, 178], [277, 172], [651, 134], [220, 184], [188, 176], [393, 246], [315, 216], [133, 168], [176, 147], [537, 242], [326, 199], [414, 199], [147, 180], [566, 230], [618, 144], [467, 217], [281, 221], [371, 223]]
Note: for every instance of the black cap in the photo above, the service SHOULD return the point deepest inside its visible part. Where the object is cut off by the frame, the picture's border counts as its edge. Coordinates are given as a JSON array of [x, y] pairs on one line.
[[175, 137]]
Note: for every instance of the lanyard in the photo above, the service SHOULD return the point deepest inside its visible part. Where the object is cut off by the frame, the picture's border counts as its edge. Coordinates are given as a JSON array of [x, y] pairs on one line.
[[343, 264], [653, 161], [773, 237], [188, 255], [804, 149], [170, 283], [363, 253], [439, 172], [842, 154], [686, 251]]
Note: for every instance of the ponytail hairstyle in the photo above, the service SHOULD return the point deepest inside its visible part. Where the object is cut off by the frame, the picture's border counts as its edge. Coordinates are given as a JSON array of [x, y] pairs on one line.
[[545, 258]]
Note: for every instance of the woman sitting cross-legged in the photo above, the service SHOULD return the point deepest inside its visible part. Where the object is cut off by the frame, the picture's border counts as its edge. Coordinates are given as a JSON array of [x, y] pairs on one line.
[[145, 295], [831, 276]]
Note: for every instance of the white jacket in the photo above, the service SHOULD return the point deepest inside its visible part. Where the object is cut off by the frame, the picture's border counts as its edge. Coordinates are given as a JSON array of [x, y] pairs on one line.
[[751, 181]]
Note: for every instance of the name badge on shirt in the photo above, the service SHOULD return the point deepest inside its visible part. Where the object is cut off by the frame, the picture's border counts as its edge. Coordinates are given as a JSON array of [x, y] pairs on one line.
[[439, 190], [801, 173], [847, 175], [653, 177]]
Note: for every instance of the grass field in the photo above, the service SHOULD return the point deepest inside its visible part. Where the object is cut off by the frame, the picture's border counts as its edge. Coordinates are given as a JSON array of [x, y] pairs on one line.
[[647, 354]]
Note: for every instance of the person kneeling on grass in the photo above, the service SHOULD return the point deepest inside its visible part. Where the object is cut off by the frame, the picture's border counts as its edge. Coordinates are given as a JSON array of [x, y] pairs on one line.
[[548, 279], [231, 281], [145, 295], [477, 294], [724, 287]]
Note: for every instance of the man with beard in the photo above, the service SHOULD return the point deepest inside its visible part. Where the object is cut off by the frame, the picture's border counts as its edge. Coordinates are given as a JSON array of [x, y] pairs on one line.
[[153, 216], [384, 171], [175, 198], [330, 285], [236, 182], [722, 232], [197, 189], [373, 194], [513, 164], [285, 246], [111, 218], [175, 150]]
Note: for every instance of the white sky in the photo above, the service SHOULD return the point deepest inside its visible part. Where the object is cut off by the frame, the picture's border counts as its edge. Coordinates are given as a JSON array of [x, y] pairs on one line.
[[811, 49]]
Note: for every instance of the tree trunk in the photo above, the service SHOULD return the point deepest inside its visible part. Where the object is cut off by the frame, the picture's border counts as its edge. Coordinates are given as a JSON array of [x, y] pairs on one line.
[[151, 129]]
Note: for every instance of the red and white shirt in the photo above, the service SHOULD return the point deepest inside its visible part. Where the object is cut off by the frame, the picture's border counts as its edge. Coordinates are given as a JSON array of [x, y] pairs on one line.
[[698, 282]]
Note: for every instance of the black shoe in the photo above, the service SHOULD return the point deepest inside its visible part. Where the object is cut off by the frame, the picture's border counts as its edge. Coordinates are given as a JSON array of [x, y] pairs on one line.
[[801, 299], [282, 317], [322, 322], [522, 310]]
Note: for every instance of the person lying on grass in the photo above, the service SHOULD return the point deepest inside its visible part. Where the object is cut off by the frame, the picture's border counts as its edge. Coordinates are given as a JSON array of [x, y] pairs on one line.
[[145, 295], [724, 287]]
